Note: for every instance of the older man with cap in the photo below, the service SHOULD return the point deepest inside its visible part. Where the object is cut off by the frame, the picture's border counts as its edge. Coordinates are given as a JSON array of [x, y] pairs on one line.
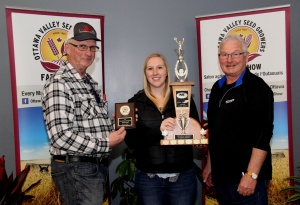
[[76, 116]]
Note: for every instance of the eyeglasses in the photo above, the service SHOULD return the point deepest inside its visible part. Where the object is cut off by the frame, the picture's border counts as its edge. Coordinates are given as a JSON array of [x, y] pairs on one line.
[[234, 55], [83, 47]]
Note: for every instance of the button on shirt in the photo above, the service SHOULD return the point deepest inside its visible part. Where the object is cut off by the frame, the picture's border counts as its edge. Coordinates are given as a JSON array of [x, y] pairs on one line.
[[76, 124]]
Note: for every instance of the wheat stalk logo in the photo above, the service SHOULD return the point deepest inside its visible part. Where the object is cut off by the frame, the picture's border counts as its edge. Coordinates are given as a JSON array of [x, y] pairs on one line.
[[51, 48]]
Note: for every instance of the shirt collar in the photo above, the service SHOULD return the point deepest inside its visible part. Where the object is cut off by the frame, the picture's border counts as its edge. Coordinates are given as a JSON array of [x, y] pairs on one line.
[[74, 72]]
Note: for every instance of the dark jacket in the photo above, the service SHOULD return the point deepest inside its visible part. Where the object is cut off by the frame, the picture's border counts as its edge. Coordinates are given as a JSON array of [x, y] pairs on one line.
[[239, 119], [151, 157]]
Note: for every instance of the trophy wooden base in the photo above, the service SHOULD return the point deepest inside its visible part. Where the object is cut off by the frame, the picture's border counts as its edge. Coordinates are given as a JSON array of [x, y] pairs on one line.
[[193, 128], [184, 142]]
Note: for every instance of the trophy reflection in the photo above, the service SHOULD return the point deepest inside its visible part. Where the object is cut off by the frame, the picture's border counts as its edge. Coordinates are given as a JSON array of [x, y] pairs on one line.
[[187, 130]]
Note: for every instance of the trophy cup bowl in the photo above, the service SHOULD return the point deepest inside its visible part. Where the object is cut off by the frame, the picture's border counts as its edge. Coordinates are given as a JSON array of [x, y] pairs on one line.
[[183, 122]]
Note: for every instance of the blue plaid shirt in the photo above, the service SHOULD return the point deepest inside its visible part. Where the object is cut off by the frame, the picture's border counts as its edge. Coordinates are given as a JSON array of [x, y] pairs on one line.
[[76, 124]]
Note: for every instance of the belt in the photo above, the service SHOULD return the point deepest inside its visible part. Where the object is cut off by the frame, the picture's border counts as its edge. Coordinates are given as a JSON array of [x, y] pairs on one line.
[[73, 158]]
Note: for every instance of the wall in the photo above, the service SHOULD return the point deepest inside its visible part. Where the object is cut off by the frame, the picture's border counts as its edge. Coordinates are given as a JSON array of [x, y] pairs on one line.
[[133, 29]]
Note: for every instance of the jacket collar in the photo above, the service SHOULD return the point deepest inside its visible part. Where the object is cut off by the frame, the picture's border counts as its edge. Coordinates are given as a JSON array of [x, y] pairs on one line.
[[237, 83]]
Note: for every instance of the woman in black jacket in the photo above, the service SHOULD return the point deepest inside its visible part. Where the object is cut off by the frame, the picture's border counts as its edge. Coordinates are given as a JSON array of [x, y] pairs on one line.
[[164, 174]]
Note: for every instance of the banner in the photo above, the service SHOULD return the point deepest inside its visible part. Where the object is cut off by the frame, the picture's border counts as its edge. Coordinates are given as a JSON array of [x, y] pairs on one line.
[[266, 31], [36, 50]]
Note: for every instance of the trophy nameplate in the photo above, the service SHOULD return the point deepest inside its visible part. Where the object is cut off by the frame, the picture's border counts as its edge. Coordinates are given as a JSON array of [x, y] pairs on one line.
[[125, 115], [187, 130]]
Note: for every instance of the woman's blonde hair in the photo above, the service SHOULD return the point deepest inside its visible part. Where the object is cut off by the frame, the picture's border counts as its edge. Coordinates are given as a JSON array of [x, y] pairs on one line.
[[166, 90]]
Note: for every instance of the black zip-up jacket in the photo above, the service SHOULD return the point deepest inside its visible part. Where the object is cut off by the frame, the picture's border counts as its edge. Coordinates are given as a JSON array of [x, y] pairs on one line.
[[239, 119], [151, 157]]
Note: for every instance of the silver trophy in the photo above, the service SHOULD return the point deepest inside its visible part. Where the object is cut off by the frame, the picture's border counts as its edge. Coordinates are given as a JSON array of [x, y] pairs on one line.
[[183, 122], [187, 129]]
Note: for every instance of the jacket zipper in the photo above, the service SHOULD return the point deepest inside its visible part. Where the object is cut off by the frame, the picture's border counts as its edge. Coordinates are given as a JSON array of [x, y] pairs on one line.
[[225, 94]]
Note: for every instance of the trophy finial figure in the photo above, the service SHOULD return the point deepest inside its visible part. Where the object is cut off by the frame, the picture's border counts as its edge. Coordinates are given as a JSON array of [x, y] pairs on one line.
[[180, 52], [181, 69]]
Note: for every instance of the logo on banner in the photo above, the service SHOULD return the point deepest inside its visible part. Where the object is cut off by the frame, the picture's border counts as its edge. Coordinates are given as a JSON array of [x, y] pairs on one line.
[[252, 34], [49, 46]]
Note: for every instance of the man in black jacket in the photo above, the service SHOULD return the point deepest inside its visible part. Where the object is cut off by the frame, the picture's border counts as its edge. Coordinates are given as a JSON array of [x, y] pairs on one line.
[[240, 121]]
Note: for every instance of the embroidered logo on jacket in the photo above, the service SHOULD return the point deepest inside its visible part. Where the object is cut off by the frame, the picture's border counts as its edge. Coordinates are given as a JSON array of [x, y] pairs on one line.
[[229, 101]]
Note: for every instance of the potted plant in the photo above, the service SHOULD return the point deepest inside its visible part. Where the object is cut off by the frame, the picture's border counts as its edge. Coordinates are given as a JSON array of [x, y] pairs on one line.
[[124, 184], [294, 190], [11, 189]]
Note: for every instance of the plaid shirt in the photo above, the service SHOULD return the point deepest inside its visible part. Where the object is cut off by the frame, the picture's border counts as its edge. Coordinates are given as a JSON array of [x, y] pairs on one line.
[[76, 124]]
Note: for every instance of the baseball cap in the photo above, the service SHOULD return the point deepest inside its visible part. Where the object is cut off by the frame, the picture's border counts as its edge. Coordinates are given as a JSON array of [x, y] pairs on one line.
[[82, 31]]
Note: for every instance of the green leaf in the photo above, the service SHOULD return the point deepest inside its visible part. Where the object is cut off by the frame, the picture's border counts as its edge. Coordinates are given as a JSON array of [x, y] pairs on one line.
[[295, 189], [295, 197], [123, 168], [293, 178], [123, 184], [131, 170], [289, 188], [116, 186]]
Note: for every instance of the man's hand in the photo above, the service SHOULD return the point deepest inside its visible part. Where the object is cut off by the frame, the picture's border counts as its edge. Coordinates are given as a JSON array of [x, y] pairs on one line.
[[206, 174], [247, 185], [116, 137]]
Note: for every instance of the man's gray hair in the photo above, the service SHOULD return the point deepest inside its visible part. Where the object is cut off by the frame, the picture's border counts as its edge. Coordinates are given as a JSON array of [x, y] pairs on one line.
[[237, 38], [70, 40]]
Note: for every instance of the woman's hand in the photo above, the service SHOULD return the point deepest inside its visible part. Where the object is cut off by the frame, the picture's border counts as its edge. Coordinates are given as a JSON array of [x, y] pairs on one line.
[[168, 124]]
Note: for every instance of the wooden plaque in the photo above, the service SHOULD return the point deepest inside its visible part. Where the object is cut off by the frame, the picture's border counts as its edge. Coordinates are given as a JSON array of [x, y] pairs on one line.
[[125, 115]]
